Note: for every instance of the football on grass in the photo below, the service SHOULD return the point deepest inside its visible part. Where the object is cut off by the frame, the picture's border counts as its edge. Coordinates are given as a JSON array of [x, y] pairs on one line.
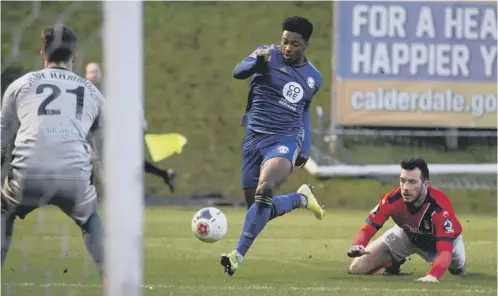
[[209, 225]]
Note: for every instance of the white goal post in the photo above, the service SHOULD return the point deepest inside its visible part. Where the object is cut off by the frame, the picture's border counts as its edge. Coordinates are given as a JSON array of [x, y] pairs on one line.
[[123, 159], [346, 170]]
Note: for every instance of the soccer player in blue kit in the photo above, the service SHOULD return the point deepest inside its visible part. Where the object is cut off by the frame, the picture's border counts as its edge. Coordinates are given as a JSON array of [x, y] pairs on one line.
[[277, 131]]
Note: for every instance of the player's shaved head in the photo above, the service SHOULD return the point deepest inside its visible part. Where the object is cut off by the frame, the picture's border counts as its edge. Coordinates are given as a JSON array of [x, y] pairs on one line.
[[58, 43], [296, 33]]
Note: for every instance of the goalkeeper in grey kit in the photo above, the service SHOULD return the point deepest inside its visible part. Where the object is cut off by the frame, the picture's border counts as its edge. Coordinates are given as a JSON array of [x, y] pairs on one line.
[[51, 113]]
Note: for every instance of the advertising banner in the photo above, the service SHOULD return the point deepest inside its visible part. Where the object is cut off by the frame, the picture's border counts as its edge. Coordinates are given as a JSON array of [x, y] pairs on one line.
[[416, 64]]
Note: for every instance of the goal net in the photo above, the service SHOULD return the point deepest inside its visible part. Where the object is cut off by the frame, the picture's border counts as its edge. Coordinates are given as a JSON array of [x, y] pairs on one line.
[[48, 255]]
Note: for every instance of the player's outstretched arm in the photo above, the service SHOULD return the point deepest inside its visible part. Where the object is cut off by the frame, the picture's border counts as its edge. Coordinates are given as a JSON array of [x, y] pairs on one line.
[[361, 240], [441, 264], [445, 235], [375, 220], [255, 63], [9, 121]]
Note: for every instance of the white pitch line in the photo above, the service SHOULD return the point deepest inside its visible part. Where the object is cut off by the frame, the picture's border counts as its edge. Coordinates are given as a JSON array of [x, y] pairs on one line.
[[251, 288], [327, 241], [173, 238]]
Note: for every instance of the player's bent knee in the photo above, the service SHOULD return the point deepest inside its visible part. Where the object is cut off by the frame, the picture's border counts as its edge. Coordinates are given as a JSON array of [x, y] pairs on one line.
[[264, 194], [358, 266], [265, 188]]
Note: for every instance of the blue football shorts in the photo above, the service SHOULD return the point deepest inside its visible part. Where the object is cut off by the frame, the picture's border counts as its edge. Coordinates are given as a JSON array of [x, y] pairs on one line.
[[259, 147]]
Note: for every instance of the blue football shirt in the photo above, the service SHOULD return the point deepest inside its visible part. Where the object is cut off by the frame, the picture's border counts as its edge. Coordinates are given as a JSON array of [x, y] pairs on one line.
[[279, 94]]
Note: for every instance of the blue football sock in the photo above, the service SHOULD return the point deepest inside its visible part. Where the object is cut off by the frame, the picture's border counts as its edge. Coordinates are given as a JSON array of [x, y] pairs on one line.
[[256, 218], [284, 204], [260, 213]]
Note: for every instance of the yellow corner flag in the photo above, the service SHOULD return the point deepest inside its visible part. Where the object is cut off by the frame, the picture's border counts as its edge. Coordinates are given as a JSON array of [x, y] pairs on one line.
[[163, 146]]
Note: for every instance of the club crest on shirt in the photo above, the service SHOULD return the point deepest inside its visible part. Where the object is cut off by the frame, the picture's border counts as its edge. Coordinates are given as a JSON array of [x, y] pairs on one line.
[[311, 82], [448, 226]]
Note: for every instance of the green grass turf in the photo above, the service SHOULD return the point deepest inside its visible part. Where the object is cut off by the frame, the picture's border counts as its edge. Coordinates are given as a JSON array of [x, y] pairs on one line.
[[295, 255], [190, 50]]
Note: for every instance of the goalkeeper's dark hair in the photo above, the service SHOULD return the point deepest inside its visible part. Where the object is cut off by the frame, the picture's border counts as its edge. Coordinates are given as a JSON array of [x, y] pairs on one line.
[[416, 163], [300, 25], [58, 43]]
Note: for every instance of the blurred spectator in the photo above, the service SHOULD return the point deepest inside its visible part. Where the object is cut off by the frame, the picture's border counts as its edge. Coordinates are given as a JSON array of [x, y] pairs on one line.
[[94, 74]]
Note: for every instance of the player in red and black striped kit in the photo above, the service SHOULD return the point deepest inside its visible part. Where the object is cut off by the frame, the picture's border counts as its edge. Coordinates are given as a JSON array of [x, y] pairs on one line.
[[426, 225]]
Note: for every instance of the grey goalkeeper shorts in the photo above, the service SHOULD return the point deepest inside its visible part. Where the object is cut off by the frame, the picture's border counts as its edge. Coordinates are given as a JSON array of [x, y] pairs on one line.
[[77, 198]]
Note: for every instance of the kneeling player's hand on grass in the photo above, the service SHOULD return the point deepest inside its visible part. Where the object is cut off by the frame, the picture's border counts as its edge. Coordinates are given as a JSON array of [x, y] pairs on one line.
[[357, 251], [428, 279]]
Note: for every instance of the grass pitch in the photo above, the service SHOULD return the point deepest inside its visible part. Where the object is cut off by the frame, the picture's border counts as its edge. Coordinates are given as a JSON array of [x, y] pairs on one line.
[[295, 255]]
